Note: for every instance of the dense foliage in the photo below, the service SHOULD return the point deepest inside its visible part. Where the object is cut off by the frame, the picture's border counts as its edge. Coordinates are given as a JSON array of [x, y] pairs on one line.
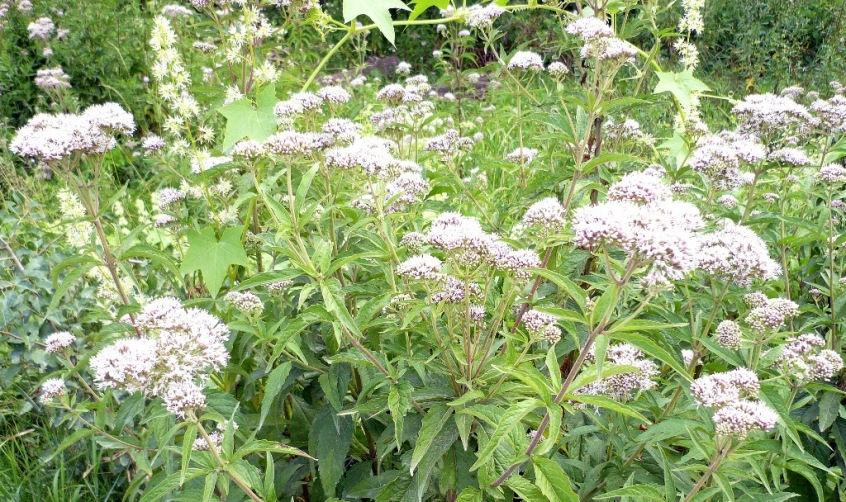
[[547, 261]]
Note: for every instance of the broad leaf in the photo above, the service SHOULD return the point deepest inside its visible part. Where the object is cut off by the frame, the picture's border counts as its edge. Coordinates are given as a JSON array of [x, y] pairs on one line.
[[213, 257], [247, 120], [681, 85], [420, 7], [377, 10], [553, 482]]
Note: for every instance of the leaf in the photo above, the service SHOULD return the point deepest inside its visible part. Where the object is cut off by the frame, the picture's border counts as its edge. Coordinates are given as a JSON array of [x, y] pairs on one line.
[[510, 419], [637, 492], [553, 482], [525, 489], [244, 120], [399, 402], [330, 444], [187, 448], [829, 409], [273, 388], [610, 404], [681, 85], [73, 276], [377, 10], [213, 257], [433, 422], [420, 7]]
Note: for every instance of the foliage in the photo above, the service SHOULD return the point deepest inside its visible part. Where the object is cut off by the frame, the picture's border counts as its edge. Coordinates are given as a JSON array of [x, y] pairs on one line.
[[538, 275]]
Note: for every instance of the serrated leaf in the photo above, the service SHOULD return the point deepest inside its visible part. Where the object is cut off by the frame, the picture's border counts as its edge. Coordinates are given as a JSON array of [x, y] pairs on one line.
[[681, 85], [271, 390], [399, 402], [244, 119], [638, 492], [433, 422], [510, 419], [553, 482], [377, 10], [213, 257], [330, 444], [829, 409]]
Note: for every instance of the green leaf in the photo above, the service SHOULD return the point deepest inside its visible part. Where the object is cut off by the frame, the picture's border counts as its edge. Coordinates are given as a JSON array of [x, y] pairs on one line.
[[610, 404], [73, 276], [187, 449], [553, 482], [829, 409], [681, 85], [246, 120], [273, 388], [637, 492], [510, 419], [213, 257], [469, 494], [433, 422], [525, 489], [377, 10], [399, 402], [420, 7], [329, 440]]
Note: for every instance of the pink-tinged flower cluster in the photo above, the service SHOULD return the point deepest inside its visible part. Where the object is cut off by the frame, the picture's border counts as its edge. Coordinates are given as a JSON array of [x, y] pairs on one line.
[[545, 217], [526, 60], [728, 334], [719, 157], [600, 42], [735, 253], [640, 187], [245, 302], [42, 28], [522, 155], [767, 113], [450, 143], [58, 341], [831, 113], [467, 245], [660, 232], [52, 387], [422, 267], [52, 79], [589, 29], [179, 347], [804, 361], [790, 156], [453, 290], [623, 386], [54, 137], [740, 418], [734, 396], [483, 17], [771, 315], [832, 173]]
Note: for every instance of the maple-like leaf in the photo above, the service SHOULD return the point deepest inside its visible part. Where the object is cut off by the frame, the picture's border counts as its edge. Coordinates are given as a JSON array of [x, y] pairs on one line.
[[213, 257], [377, 10], [420, 7], [244, 119], [682, 85]]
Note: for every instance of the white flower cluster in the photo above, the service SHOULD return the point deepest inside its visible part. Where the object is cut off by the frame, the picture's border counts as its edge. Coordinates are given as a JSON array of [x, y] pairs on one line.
[[421, 267], [771, 314], [733, 395], [52, 79], [623, 386], [688, 53], [735, 253], [546, 217], [279, 287], [450, 143], [522, 155], [52, 387], [558, 70], [181, 345], [170, 71], [831, 113], [466, 245], [646, 223], [790, 156], [54, 137], [526, 60], [692, 20], [719, 157], [483, 17], [804, 362], [600, 42], [640, 187], [174, 11], [247, 302], [58, 341], [762, 114], [728, 334], [541, 324], [42, 28], [831, 173], [454, 290]]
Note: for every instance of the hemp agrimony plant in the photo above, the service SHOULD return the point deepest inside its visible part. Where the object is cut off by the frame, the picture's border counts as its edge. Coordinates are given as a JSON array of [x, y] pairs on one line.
[[492, 285]]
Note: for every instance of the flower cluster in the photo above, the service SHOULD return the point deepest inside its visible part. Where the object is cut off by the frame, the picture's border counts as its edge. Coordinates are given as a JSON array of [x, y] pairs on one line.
[[623, 386], [649, 225], [771, 314], [247, 303], [542, 325], [762, 114], [728, 334], [733, 395], [736, 253], [483, 17], [421, 267], [522, 155], [719, 157], [600, 42], [58, 341], [78, 230], [466, 245], [52, 79], [54, 137], [52, 387], [803, 360], [546, 217], [171, 361], [526, 60]]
